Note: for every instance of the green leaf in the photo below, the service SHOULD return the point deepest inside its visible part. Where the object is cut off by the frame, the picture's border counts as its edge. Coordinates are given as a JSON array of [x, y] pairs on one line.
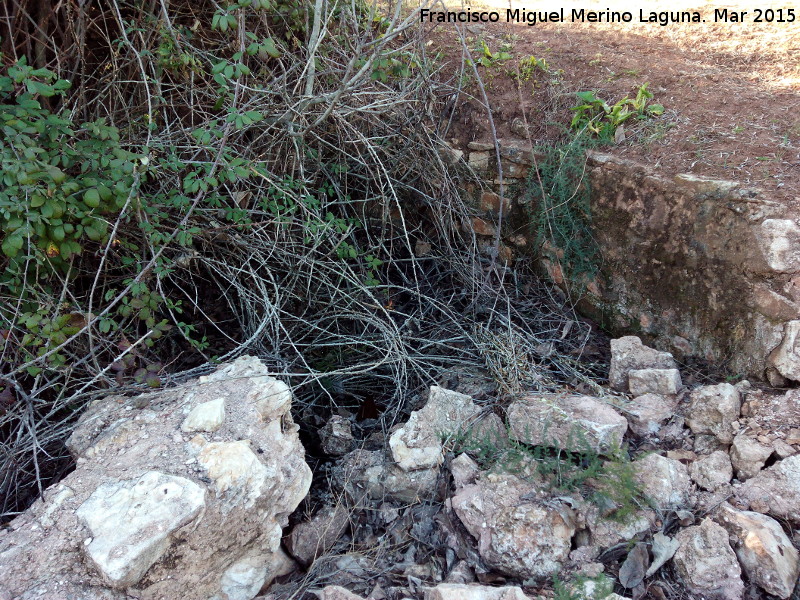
[[12, 244], [91, 198], [42, 89], [270, 48]]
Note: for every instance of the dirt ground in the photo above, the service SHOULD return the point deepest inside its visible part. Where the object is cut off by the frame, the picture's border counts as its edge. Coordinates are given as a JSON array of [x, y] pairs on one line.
[[731, 91]]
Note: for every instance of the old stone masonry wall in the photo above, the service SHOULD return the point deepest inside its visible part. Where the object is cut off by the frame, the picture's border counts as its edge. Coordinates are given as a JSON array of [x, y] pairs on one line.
[[701, 267]]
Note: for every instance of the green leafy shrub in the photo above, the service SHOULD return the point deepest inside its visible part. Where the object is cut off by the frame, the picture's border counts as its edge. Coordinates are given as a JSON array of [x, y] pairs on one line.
[[603, 119], [62, 183]]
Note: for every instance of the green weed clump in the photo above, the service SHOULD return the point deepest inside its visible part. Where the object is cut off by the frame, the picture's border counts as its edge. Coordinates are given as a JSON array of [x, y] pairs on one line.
[[608, 481], [558, 200], [602, 119]]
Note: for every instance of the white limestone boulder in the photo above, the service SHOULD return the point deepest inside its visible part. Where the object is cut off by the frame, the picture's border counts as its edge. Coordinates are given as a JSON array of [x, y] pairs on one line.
[[417, 444], [576, 423], [713, 409], [765, 552], [707, 564], [517, 533], [157, 508]]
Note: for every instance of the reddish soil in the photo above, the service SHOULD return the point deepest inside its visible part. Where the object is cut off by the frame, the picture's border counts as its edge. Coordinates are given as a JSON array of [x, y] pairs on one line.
[[731, 91]]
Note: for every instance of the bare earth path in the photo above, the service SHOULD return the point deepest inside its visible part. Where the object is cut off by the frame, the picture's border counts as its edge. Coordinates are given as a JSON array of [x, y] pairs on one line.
[[731, 90]]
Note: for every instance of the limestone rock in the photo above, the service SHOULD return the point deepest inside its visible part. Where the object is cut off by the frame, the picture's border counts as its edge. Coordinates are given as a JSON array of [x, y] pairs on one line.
[[780, 243], [706, 564], [520, 537], [159, 514], [337, 592], [591, 590], [459, 591], [370, 474], [713, 409], [607, 532], [245, 578], [654, 381], [786, 357], [418, 443], [568, 422], [665, 481], [479, 162], [131, 521], [775, 490], [464, 470], [748, 456], [310, 539], [337, 436], [712, 471], [489, 430], [766, 554], [647, 413], [238, 474], [627, 354], [207, 416]]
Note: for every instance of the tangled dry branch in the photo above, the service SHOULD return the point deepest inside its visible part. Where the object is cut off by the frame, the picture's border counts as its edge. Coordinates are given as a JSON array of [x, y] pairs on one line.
[[340, 252]]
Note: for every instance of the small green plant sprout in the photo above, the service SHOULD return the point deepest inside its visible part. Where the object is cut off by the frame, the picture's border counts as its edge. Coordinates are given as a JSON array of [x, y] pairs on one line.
[[489, 58], [602, 119], [392, 66], [529, 66]]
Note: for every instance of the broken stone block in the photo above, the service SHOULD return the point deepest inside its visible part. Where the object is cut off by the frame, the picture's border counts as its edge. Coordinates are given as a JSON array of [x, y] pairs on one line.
[[628, 354], [765, 552], [707, 564], [654, 381], [479, 161], [370, 474], [574, 423], [713, 409], [311, 539], [775, 490], [664, 481], [337, 436], [417, 444], [464, 470], [646, 414], [517, 536], [712, 471], [748, 456]]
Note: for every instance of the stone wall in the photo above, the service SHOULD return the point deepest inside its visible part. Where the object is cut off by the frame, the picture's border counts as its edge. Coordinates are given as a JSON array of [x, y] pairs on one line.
[[701, 267]]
